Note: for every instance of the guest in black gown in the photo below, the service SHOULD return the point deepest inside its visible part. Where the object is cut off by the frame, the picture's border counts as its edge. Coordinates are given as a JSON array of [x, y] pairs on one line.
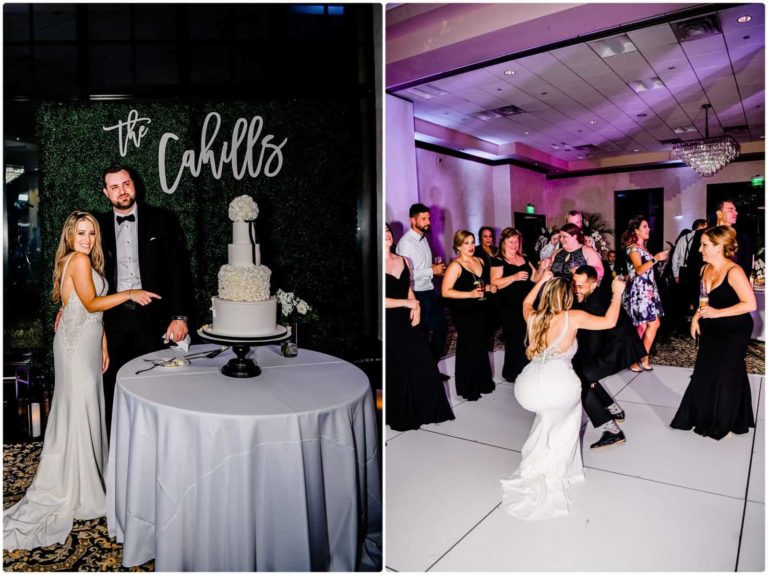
[[415, 392], [511, 274], [486, 251], [463, 289], [572, 254], [718, 400]]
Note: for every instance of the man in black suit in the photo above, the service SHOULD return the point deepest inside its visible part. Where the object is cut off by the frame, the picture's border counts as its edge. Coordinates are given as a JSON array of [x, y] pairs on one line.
[[144, 247], [600, 354]]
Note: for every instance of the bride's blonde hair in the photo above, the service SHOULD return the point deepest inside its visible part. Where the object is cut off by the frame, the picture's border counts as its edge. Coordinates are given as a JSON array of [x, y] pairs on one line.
[[67, 246], [556, 297]]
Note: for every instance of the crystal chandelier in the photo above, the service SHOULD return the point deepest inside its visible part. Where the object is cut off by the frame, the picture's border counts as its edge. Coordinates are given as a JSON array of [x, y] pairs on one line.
[[708, 156]]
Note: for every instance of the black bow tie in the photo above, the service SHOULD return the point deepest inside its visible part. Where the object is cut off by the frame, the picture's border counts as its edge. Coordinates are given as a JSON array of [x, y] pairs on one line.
[[121, 219]]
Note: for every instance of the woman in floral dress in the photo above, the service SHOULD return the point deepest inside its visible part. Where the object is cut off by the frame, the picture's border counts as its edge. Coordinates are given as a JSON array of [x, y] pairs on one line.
[[641, 299]]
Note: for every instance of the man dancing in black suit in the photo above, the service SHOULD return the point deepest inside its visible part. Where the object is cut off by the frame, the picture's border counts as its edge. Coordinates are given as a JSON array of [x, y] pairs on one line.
[[144, 248], [600, 354]]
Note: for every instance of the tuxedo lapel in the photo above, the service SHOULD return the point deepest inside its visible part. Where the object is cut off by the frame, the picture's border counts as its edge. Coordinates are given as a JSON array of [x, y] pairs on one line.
[[144, 232], [108, 246]]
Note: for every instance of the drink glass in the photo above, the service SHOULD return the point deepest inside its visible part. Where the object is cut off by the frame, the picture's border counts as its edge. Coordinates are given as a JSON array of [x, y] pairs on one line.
[[481, 285], [703, 301]]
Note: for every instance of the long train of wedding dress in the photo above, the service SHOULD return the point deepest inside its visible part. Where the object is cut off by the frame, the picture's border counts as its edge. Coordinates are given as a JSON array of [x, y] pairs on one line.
[[551, 459], [70, 477]]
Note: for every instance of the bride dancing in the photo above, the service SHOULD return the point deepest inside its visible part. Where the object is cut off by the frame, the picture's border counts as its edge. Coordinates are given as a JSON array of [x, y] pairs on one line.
[[70, 477], [548, 386]]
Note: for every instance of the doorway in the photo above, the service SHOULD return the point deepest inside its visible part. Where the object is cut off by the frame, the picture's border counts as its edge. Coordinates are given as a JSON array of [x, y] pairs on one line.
[[531, 226], [648, 202]]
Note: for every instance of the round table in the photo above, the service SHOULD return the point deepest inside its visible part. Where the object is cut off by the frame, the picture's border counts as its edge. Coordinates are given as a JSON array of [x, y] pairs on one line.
[[275, 473]]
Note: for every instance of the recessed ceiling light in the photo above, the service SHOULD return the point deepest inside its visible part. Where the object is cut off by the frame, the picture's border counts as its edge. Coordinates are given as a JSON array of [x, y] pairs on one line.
[[526, 133], [580, 157], [509, 72], [636, 150], [743, 19], [671, 67], [592, 122]]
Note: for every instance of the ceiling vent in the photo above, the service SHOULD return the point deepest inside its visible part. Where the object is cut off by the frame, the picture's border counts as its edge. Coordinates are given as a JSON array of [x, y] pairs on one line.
[[695, 28], [507, 111], [743, 128], [670, 142], [613, 46], [586, 148]]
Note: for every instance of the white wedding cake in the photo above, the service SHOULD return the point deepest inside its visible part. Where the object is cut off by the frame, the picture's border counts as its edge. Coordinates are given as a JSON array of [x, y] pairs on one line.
[[244, 307]]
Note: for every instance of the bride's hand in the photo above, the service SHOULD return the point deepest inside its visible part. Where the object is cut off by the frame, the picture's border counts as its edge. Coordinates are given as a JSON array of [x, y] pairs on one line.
[[104, 358], [142, 297]]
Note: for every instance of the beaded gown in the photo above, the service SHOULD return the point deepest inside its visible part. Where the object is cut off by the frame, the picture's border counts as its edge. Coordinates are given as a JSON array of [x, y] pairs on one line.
[[551, 459], [718, 399], [415, 394], [69, 483]]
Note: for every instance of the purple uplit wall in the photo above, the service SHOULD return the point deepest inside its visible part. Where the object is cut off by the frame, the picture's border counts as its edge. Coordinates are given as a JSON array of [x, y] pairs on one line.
[[685, 193]]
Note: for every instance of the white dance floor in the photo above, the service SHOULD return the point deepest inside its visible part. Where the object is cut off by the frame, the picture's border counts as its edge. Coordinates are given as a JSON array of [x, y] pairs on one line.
[[667, 500]]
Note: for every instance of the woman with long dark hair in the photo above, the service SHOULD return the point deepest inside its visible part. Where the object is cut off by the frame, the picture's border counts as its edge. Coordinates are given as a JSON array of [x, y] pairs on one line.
[[642, 301], [415, 393]]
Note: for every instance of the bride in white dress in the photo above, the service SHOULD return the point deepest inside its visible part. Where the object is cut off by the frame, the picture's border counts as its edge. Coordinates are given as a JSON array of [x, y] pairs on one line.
[[548, 386], [70, 477]]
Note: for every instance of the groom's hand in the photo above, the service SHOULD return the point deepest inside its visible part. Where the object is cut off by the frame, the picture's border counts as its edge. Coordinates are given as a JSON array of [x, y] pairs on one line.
[[177, 331]]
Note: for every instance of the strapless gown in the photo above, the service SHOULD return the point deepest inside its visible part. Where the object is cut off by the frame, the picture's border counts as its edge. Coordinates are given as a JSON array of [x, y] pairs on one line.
[[551, 458], [69, 483]]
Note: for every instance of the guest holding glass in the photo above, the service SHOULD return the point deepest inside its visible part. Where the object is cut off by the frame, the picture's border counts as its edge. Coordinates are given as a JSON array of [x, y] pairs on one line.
[[572, 254], [465, 290], [511, 274], [487, 252], [415, 392], [718, 400], [641, 299]]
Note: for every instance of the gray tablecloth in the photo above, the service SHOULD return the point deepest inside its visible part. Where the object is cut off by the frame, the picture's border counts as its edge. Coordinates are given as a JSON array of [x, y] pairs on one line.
[[278, 472]]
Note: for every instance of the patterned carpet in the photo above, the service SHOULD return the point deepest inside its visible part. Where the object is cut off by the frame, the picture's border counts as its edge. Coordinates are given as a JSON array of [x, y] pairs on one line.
[[88, 547], [675, 349]]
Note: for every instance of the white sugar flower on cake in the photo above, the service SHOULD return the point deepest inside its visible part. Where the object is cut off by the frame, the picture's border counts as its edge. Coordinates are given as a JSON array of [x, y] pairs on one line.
[[243, 209]]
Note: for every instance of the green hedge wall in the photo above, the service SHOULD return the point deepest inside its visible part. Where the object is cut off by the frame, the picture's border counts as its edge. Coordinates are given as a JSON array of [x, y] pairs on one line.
[[307, 220]]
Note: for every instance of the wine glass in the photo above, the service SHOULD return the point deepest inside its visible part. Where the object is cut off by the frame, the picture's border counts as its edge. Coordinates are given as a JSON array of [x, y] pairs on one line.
[[481, 284]]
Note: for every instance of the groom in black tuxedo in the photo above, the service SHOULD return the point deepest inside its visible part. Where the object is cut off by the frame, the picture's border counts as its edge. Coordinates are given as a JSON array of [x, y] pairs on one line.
[[600, 354], [144, 248]]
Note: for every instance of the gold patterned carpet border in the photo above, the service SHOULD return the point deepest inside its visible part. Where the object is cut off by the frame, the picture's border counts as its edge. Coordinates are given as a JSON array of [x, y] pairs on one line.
[[88, 547]]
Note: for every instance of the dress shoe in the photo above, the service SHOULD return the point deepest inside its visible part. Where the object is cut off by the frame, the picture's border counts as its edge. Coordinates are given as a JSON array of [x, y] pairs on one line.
[[617, 417], [609, 439]]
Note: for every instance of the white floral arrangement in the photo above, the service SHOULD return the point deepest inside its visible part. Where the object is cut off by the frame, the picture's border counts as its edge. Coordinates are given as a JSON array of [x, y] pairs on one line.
[[759, 271], [244, 283], [292, 308], [243, 209]]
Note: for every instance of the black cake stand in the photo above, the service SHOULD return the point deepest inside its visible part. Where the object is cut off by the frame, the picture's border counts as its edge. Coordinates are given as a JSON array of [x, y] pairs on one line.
[[240, 365]]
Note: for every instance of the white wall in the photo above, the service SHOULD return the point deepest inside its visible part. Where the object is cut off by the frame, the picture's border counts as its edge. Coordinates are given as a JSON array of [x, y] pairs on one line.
[[401, 185]]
